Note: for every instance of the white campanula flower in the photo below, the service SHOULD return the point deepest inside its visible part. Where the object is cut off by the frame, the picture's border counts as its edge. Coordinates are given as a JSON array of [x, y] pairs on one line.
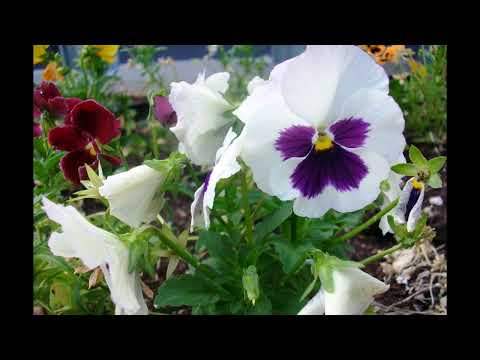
[[322, 130], [96, 247], [133, 195], [226, 166], [409, 208], [354, 291], [201, 124]]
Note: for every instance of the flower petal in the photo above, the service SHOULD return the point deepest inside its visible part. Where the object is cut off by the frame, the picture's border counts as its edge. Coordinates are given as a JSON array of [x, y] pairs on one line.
[[384, 118], [316, 305], [67, 138], [347, 201], [133, 196], [71, 163], [96, 120], [44, 92], [60, 106], [78, 238], [318, 81], [350, 132], [354, 291], [163, 111], [295, 141], [37, 130]]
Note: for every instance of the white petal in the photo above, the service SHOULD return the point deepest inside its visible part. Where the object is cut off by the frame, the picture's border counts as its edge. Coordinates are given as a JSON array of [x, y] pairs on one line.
[[320, 79], [385, 118], [78, 238], [354, 291], [133, 196], [265, 116], [201, 125], [218, 82], [348, 201], [254, 83], [196, 209], [416, 212], [125, 288], [316, 305]]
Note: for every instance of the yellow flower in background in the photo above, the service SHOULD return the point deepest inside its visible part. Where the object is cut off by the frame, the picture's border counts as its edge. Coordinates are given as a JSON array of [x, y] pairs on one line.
[[392, 53], [417, 68], [38, 52], [107, 53], [52, 73]]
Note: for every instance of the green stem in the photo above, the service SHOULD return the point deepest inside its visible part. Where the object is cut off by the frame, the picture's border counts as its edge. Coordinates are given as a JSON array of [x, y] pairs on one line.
[[246, 208], [366, 224], [381, 254], [189, 258]]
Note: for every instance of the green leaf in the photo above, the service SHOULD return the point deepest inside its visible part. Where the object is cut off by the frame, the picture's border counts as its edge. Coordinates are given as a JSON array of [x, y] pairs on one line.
[[405, 169], [290, 254], [186, 290], [262, 307], [436, 164], [391, 222], [417, 157], [217, 246], [272, 221], [435, 181]]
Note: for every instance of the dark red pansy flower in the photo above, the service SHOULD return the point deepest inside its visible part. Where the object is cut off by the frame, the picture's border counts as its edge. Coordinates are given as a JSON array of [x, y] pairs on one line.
[[43, 94], [37, 129], [86, 123], [163, 111]]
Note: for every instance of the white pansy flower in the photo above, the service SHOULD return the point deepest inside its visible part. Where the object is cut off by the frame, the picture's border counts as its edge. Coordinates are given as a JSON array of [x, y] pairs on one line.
[[201, 124], [133, 195], [354, 291], [323, 130], [226, 166], [96, 247]]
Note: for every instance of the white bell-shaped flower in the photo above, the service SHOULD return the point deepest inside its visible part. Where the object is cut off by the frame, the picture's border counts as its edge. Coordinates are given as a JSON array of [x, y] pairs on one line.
[[200, 107], [354, 291], [133, 195], [96, 247]]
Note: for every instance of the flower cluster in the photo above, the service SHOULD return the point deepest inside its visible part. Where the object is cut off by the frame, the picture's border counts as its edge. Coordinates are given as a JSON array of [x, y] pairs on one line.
[[86, 125], [384, 54]]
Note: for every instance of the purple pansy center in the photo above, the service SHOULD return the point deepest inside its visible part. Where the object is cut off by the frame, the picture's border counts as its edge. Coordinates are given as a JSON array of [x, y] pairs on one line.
[[326, 161]]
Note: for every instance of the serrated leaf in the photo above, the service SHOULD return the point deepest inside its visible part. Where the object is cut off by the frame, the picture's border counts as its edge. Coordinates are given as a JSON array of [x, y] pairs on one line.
[[436, 164], [405, 169], [186, 290], [417, 157], [435, 181]]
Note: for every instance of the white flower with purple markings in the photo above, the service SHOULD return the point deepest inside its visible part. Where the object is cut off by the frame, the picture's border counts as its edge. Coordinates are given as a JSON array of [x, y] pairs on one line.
[[323, 130]]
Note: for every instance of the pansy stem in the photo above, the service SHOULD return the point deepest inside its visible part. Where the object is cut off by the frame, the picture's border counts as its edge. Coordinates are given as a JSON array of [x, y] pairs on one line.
[[366, 224], [246, 208], [381, 254]]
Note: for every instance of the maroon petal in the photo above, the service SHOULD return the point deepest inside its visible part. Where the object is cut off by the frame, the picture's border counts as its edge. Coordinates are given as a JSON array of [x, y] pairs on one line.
[[163, 111], [44, 92], [67, 138], [60, 106], [96, 120], [82, 170], [114, 160], [36, 112], [73, 161], [37, 130]]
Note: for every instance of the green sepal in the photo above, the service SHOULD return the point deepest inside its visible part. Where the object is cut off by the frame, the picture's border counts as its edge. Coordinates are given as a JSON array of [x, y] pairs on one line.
[[405, 169], [436, 164], [417, 158], [435, 181], [308, 290]]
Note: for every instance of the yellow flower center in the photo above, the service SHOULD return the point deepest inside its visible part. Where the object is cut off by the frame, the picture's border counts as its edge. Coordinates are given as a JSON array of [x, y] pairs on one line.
[[91, 149], [323, 143], [417, 184]]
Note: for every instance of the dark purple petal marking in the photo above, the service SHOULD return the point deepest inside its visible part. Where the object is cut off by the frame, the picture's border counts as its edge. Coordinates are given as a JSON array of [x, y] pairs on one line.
[[350, 132], [295, 141], [205, 182], [338, 167], [412, 200]]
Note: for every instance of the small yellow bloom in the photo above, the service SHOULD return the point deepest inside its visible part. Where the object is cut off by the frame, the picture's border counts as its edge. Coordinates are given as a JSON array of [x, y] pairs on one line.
[[38, 52], [107, 53], [393, 53], [417, 68], [51, 73]]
